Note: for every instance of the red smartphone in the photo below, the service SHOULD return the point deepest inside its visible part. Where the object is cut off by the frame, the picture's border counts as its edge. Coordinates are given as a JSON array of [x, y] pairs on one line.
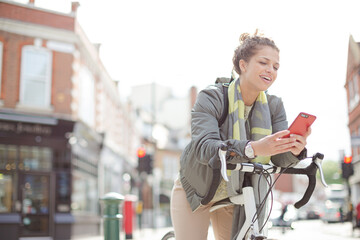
[[301, 123]]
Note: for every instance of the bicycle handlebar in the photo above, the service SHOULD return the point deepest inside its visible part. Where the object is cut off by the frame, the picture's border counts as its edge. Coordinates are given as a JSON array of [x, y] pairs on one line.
[[257, 168], [310, 171]]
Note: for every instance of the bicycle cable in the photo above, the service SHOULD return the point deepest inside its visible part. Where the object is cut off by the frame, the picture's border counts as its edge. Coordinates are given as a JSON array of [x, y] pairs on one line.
[[270, 191], [261, 205], [263, 202]]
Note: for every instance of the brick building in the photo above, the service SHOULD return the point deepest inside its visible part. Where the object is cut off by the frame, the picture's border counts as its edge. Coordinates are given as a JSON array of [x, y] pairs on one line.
[[353, 100], [65, 136]]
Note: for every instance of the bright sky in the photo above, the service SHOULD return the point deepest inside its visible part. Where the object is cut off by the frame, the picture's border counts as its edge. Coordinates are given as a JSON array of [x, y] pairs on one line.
[[187, 42]]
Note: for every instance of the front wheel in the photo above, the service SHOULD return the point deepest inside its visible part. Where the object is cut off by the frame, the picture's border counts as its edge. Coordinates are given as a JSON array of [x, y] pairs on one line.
[[168, 236]]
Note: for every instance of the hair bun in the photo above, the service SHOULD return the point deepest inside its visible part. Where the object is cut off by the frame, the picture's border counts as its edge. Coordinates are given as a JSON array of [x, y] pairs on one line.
[[245, 36]]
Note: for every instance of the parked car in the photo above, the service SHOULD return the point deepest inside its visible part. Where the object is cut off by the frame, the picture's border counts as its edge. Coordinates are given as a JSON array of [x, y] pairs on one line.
[[333, 211], [309, 211], [313, 213]]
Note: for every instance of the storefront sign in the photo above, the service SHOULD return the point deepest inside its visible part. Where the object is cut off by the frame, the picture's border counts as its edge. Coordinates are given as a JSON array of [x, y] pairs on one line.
[[23, 128]]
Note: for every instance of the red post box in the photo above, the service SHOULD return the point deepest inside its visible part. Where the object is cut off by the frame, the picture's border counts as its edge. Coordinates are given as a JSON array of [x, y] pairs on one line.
[[129, 215]]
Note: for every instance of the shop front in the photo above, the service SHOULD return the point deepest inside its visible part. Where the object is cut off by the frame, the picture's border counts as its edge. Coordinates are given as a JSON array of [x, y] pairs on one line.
[[35, 177], [86, 145]]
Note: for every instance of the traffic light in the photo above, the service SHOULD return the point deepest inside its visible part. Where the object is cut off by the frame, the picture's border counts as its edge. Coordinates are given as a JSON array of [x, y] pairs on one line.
[[145, 161], [141, 152], [347, 167]]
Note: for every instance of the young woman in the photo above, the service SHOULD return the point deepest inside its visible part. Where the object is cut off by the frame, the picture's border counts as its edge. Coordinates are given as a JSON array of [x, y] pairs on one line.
[[254, 129]]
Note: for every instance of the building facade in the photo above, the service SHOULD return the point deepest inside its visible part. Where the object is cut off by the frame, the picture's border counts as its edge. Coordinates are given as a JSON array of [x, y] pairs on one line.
[[66, 139], [353, 100]]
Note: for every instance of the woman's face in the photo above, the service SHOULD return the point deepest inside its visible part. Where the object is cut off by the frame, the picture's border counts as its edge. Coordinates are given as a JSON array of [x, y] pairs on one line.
[[261, 71]]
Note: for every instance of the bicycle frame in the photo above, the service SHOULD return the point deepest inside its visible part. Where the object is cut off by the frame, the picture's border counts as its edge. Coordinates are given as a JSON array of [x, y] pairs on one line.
[[250, 228]]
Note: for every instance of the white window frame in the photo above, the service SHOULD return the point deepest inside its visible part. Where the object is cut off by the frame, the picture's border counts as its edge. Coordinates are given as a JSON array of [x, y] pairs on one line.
[[48, 77]]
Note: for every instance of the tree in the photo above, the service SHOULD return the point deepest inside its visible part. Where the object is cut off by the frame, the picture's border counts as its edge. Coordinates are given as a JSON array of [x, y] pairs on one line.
[[332, 172]]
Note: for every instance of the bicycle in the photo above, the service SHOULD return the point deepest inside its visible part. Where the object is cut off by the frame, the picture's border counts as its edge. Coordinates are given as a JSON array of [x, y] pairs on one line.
[[251, 230], [169, 235]]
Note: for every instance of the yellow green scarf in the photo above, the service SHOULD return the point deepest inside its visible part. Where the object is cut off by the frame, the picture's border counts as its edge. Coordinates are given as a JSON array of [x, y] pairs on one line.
[[259, 126], [260, 119]]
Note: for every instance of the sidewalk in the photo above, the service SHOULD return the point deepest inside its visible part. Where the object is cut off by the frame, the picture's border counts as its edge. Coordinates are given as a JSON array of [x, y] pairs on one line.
[[147, 233]]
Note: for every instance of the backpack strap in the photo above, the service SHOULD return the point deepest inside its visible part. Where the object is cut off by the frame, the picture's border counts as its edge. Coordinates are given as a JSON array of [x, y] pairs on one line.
[[225, 112]]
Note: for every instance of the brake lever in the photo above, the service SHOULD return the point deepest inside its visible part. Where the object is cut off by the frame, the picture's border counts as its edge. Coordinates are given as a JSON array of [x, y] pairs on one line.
[[222, 154], [317, 159], [318, 164]]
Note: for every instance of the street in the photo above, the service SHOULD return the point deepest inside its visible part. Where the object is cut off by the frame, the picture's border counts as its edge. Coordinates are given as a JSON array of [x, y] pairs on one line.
[[304, 230], [316, 230]]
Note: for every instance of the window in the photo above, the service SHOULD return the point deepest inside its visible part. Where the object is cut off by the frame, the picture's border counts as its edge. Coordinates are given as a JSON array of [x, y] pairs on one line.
[[353, 92], [39, 158], [354, 149], [3, 159], [8, 157], [63, 190], [354, 139], [87, 97], [6, 192], [35, 86], [1, 56], [84, 198]]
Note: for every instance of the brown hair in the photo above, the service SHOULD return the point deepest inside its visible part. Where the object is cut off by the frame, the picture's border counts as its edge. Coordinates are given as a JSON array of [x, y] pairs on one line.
[[249, 44]]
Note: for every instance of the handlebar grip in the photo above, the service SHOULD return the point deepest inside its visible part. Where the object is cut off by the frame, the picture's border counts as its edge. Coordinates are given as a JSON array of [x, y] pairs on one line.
[[318, 155], [308, 193], [223, 147]]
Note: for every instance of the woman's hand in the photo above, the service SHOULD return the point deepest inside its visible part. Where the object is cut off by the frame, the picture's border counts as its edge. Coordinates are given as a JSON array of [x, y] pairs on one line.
[[300, 142], [276, 143]]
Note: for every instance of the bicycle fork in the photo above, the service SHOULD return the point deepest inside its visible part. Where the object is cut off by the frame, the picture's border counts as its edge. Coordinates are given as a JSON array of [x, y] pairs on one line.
[[251, 223]]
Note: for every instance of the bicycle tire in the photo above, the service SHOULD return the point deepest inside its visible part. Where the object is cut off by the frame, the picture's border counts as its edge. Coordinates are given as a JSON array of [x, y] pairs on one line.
[[169, 235]]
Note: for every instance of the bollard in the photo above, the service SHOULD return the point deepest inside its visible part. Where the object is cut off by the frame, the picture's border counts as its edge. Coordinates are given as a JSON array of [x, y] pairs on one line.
[[111, 217]]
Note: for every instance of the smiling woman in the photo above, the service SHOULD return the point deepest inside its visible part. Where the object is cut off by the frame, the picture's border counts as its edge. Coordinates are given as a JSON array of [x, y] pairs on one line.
[[253, 132]]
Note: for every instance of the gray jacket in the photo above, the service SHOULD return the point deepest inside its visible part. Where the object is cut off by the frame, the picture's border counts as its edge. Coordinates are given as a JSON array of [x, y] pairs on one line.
[[200, 163]]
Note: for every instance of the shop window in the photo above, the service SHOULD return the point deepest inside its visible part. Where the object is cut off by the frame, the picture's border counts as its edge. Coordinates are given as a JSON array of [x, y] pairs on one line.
[[3, 159], [35, 86], [63, 189], [61, 160], [8, 156], [36, 194], [84, 198], [35, 204], [6, 192], [35, 158]]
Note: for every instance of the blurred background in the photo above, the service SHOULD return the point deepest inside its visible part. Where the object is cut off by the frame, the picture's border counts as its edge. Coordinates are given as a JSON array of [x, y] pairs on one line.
[[95, 97]]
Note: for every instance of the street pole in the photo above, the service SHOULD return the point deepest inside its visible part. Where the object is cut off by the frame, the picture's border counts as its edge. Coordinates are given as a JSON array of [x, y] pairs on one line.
[[156, 180], [346, 176]]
